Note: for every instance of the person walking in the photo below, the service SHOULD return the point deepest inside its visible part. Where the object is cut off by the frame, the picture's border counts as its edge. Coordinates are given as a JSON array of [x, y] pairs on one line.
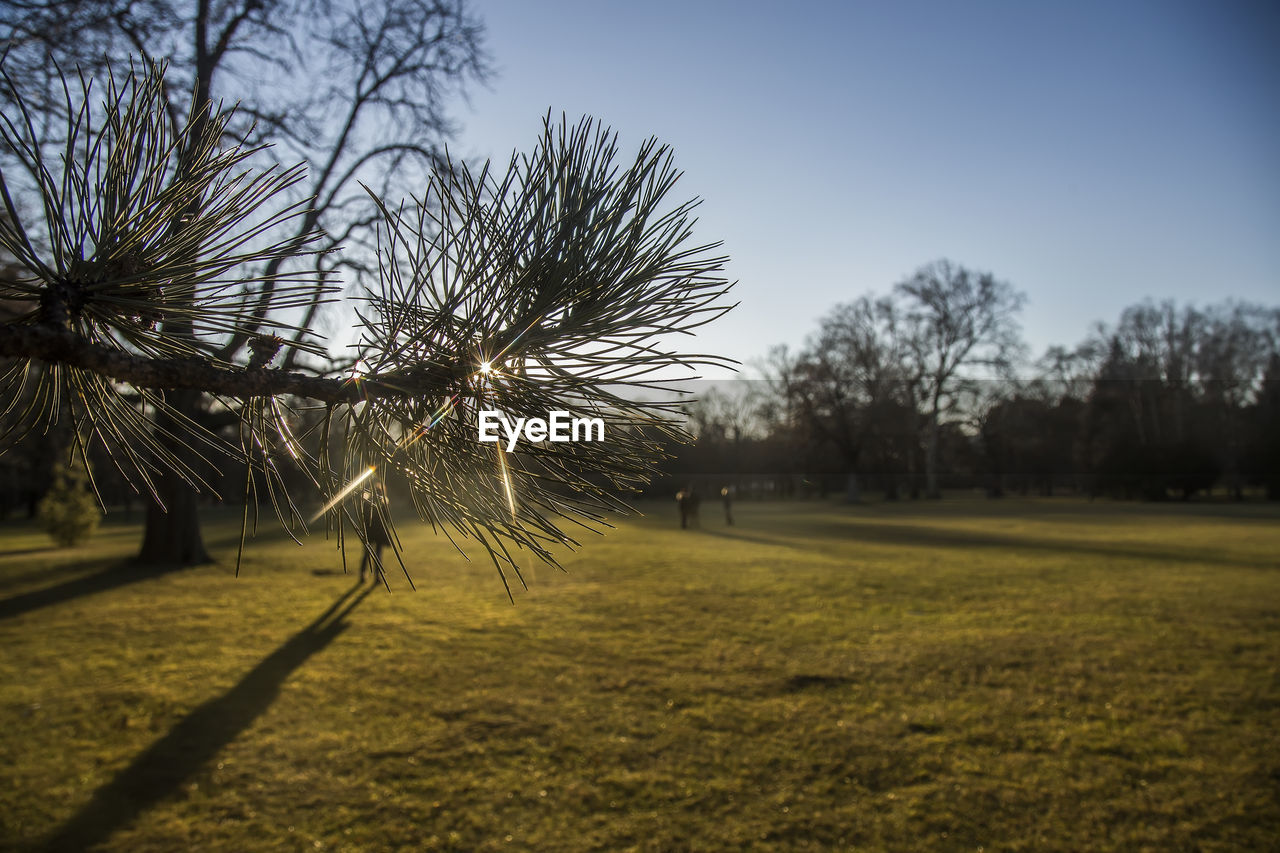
[[687, 499], [376, 534]]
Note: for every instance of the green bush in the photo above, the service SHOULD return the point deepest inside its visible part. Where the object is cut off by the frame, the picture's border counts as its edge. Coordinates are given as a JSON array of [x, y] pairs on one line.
[[69, 510]]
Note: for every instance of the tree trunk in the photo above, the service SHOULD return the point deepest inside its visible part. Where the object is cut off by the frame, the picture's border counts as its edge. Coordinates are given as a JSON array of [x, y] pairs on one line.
[[172, 535], [913, 469], [852, 494], [931, 458]]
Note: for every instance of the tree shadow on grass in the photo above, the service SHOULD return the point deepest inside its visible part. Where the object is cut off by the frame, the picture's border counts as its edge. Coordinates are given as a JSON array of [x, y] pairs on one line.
[[197, 738], [28, 575], [116, 574], [927, 536], [23, 552], [776, 541]]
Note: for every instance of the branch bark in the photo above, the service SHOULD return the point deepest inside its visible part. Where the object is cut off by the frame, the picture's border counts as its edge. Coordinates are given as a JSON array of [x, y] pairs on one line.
[[60, 346]]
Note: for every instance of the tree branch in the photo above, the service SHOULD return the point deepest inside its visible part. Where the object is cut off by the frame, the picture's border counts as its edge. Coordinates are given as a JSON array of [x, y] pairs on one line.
[[60, 346]]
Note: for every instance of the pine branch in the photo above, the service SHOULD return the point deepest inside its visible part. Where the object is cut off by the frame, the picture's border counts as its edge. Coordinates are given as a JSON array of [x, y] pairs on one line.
[[53, 345], [554, 285]]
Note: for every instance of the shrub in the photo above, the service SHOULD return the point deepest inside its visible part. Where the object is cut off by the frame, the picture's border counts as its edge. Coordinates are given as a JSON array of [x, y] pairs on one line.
[[69, 510]]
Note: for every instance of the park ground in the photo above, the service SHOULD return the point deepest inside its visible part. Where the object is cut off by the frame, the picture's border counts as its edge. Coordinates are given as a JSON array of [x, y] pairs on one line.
[[958, 675]]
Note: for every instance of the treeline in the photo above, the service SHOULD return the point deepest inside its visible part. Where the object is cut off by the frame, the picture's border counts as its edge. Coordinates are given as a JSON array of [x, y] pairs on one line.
[[930, 387]]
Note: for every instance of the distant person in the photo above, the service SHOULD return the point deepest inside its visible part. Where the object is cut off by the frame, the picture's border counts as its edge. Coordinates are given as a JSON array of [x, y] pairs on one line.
[[687, 499], [726, 498], [376, 535]]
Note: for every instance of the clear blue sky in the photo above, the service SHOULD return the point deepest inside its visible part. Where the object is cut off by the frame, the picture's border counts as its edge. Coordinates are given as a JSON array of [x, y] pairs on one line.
[[1090, 153]]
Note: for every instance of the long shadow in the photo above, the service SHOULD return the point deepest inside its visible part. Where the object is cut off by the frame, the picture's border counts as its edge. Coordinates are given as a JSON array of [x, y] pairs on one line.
[[117, 574], [918, 534], [927, 536], [22, 552], [193, 742], [25, 577], [742, 536]]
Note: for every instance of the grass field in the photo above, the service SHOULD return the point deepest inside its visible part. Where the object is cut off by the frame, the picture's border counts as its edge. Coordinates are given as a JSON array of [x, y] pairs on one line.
[[966, 675]]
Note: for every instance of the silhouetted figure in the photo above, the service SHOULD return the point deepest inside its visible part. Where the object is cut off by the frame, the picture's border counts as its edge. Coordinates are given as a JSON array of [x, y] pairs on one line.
[[376, 534], [726, 498], [688, 501]]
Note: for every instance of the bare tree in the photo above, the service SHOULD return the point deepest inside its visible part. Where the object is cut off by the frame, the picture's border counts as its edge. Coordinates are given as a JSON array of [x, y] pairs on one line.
[[551, 285], [842, 386], [727, 414], [1231, 361], [357, 91], [1174, 394], [956, 320]]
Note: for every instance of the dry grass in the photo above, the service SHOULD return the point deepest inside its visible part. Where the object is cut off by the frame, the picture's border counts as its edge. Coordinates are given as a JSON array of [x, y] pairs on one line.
[[964, 675]]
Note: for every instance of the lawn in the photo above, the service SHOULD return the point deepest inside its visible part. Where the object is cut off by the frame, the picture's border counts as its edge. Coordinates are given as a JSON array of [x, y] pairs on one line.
[[967, 675]]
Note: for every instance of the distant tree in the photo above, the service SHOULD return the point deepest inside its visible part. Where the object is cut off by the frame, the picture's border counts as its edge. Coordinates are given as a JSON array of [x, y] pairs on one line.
[[1168, 401], [1029, 427], [1063, 373], [1028, 441], [726, 429], [725, 415], [956, 321], [545, 286], [846, 382], [1175, 403], [1264, 447], [1154, 350], [786, 450], [1236, 342], [357, 91], [69, 510]]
